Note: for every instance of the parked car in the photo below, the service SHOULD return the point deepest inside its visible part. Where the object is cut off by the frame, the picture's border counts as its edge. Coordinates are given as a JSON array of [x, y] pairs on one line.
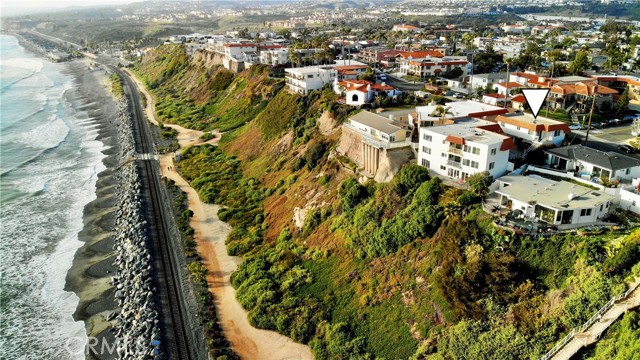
[[575, 127], [597, 125], [627, 148], [459, 96]]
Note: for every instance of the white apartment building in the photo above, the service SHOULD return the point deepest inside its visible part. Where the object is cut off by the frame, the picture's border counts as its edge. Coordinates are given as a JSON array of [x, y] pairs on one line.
[[524, 127], [277, 56], [464, 148], [236, 50], [306, 79], [433, 66]]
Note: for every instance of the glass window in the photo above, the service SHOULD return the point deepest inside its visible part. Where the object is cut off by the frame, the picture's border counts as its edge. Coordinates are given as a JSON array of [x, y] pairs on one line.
[[492, 165], [476, 151], [427, 137], [426, 163], [493, 151], [426, 150]]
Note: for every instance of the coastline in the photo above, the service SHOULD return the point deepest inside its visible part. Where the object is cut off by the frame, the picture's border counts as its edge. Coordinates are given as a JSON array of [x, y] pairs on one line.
[[92, 267]]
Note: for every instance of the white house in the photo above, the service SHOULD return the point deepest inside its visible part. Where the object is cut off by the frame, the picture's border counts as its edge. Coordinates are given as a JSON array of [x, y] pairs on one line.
[[526, 128], [464, 148], [594, 163], [433, 66], [360, 92], [236, 50], [630, 199], [482, 80], [501, 88], [306, 79], [378, 129], [553, 202], [274, 56]]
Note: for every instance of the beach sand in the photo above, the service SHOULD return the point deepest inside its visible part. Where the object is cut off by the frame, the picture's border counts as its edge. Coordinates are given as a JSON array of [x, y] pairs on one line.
[[248, 342], [92, 268]]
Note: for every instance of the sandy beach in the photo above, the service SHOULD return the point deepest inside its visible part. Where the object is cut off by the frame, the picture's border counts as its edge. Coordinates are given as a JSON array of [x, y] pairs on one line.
[[210, 234], [92, 266]]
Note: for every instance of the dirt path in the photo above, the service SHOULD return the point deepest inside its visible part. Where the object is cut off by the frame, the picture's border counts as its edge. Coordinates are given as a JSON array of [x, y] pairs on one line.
[[210, 233]]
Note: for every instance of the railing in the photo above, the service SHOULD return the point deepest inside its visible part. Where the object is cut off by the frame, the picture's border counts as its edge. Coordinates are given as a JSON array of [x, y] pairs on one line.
[[455, 150], [596, 317], [454, 164]]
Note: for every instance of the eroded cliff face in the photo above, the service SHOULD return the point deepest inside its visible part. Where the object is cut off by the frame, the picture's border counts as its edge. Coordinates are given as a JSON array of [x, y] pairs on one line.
[[207, 58]]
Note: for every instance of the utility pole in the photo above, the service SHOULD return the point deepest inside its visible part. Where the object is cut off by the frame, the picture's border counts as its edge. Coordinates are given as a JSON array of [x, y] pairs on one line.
[[506, 96], [593, 105]]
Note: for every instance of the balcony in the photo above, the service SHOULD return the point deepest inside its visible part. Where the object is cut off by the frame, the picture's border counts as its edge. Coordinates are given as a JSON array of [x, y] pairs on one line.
[[455, 150], [454, 164]]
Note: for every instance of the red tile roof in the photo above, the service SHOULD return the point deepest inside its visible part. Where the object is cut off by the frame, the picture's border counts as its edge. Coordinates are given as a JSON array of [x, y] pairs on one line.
[[455, 139], [420, 54]]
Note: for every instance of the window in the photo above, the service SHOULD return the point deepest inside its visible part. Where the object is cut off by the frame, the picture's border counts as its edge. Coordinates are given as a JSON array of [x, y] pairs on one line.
[[493, 151], [476, 151], [492, 165], [585, 212], [466, 148], [426, 163], [628, 171], [518, 128], [309, 76], [442, 167], [444, 142], [474, 164], [465, 162], [427, 137], [426, 150], [444, 155], [556, 133]]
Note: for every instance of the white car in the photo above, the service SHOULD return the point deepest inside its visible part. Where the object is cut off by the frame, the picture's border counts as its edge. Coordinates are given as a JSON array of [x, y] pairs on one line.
[[575, 127]]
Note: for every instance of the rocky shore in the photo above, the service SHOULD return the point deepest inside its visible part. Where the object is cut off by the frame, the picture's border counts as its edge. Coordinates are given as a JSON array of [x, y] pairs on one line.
[[112, 272], [136, 325]]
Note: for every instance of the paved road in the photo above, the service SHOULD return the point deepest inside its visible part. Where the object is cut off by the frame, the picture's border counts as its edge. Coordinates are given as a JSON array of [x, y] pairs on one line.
[[403, 84]]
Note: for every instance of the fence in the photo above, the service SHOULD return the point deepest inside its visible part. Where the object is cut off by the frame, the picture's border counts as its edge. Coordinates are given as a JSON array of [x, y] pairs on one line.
[[596, 317]]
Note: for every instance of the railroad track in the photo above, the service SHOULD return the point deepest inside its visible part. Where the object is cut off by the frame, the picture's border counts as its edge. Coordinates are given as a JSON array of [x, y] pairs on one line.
[[177, 343]]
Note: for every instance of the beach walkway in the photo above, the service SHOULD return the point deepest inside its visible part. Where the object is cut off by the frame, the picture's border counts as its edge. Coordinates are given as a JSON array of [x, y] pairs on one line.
[[590, 332], [210, 233]]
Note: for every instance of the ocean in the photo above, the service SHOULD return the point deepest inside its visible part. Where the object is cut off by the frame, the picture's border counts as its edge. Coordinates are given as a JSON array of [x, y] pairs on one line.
[[49, 160]]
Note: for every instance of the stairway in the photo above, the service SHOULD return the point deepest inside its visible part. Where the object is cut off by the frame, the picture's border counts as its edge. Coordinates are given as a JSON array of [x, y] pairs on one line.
[[590, 332]]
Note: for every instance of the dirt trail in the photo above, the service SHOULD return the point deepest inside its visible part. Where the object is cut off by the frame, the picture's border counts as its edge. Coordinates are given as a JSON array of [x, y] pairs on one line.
[[210, 233]]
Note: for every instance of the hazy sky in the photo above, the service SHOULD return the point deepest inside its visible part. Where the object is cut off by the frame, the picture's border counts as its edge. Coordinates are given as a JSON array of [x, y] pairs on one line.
[[10, 5]]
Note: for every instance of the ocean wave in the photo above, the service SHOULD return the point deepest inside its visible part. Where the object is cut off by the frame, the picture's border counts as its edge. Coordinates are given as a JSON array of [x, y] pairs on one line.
[[29, 67]]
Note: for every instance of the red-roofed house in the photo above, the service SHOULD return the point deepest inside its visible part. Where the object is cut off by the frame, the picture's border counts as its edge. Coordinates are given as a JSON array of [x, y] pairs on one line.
[[464, 148], [406, 28], [518, 101], [501, 87], [360, 92], [494, 99], [579, 96]]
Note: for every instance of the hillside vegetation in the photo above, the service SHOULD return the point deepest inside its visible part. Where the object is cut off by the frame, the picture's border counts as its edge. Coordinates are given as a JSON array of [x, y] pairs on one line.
[[195, 96], [405, 269]]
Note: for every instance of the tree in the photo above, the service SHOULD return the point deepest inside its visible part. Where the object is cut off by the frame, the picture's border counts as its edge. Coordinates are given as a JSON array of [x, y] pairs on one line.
[[580, 64], [352, 193], [623, 101], [479, 183]]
